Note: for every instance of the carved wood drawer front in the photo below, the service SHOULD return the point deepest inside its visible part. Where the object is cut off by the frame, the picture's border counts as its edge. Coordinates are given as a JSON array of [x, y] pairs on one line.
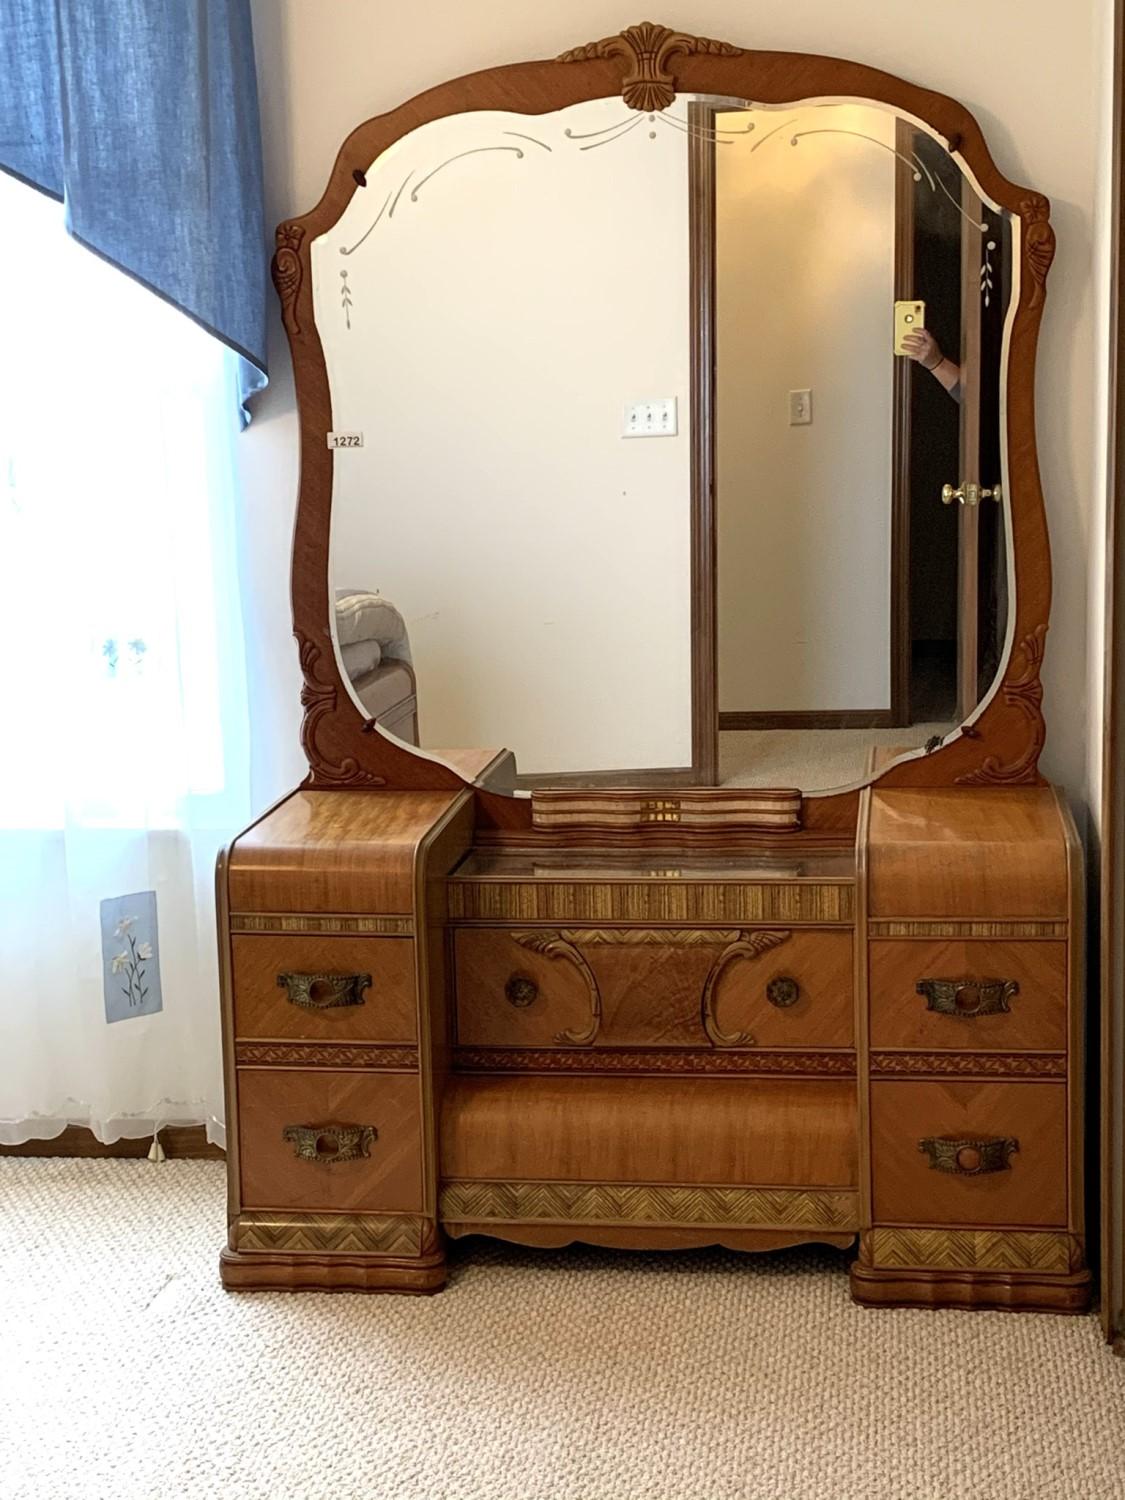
[[653, 987], [326, 1140], [317, 988], [969, 1153], [968, 996]]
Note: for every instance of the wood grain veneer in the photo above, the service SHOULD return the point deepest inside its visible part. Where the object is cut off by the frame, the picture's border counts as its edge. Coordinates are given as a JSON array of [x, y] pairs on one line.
[[1037, 1019], [651, 985], [635, 1236], [658, 1130], [262, 1008], [908, 1190], [648, 901], [312, 853], [389, 1180], [967, 853]]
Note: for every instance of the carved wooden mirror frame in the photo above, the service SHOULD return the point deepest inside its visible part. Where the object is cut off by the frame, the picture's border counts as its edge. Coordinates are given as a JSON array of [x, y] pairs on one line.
[[648, 65]]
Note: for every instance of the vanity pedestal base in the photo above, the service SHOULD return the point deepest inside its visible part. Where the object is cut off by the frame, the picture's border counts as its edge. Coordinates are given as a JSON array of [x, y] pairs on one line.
[[874, 1286], [330, 1273]]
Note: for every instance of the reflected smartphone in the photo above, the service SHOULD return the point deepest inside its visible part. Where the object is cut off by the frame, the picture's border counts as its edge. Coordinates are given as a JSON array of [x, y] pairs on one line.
[[910, 317]]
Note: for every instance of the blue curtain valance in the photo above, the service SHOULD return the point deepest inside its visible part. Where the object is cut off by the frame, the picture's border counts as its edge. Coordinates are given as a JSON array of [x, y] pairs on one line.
[[142, 117]]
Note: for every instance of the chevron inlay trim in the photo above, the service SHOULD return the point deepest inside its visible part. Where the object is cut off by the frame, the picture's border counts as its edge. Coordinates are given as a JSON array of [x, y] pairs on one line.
[[325, 1055], [320, 922], [645, 1203], [329, 1234], [971, 1250]]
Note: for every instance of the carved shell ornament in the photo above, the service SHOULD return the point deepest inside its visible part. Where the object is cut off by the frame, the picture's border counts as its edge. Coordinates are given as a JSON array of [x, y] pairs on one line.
[[287, 272], [647, 49]]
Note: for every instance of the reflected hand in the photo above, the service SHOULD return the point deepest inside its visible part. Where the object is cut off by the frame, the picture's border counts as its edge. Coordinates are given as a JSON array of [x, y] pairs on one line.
[[924, 348]]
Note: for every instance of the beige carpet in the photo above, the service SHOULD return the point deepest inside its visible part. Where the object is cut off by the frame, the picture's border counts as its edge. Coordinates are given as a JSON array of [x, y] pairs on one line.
[[127, 1374], [812, 759]]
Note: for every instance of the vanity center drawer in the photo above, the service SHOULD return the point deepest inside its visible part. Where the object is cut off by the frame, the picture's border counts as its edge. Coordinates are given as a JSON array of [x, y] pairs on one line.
[[653, 987], [975, 995], [317, 988]]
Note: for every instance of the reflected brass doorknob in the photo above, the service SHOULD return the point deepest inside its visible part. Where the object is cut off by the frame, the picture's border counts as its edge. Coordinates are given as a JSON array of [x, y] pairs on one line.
[[970, 494]]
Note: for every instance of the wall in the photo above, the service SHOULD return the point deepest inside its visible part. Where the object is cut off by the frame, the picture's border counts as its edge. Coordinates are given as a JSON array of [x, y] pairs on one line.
[[804, 281], [497, 327], [1030, 70]]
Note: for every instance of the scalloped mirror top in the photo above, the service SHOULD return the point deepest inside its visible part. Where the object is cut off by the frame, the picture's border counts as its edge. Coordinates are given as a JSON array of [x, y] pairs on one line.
[[655, 427]]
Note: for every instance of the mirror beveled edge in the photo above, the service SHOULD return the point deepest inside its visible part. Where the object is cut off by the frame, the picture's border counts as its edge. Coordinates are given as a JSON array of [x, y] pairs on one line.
[[648, 64]]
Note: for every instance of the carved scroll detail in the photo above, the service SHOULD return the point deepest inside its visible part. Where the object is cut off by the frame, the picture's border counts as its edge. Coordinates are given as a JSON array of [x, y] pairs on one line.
[[555, 945], [647, 50], [1024, 692], [288, 273], [318, 698], [746, 945], [1039, 244]]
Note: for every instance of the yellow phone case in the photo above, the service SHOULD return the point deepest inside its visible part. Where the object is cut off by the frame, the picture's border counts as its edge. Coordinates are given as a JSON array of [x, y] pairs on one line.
[[910, 317]]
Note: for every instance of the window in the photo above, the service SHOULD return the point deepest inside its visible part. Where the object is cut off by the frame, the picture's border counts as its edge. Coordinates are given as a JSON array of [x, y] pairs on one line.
[[118, 581]]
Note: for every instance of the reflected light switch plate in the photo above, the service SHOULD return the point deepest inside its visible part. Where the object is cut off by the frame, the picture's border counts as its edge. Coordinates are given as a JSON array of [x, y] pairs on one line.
[[800, 408], [650, 418]]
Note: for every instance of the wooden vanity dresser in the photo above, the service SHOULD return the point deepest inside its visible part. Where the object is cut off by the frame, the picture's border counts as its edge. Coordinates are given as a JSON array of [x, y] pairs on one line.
[[660, 1016], [751, 1049]]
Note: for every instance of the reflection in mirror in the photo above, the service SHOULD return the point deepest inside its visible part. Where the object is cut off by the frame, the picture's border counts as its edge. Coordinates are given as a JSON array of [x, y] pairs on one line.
[[521, 317], [856, 607]]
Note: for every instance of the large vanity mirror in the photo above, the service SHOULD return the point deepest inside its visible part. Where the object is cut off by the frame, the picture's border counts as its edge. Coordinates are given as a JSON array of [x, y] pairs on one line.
[[668, 447]]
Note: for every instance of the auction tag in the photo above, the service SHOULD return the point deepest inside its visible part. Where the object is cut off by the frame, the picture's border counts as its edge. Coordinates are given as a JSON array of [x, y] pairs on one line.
[[345, 439]]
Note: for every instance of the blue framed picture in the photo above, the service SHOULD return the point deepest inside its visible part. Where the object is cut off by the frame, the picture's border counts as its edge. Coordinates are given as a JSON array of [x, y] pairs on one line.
[[130, 956]]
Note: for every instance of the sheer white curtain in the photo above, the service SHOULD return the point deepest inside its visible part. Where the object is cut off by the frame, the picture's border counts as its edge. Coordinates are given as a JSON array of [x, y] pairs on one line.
[[124, 749]]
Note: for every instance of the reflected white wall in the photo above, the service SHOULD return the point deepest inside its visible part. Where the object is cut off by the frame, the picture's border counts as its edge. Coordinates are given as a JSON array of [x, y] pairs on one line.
[[804, 291], [496, 325]]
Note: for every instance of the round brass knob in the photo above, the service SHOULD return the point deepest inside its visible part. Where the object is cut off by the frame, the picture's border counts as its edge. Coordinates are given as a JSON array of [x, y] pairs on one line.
[[783, 991], [520, 991], [968, 1158]]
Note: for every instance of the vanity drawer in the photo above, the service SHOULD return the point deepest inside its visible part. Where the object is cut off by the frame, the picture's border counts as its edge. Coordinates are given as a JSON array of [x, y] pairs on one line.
[[289, 1122], [734, 1131], [653, 987], [311, 988], [969, 1153], [969, 996]]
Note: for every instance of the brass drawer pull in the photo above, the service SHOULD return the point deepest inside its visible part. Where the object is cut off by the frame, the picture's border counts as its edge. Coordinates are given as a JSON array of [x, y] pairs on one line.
[[783, 991], [521, 991], [328, 1143], [968, 1156], [324, 991], [968, 997]]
